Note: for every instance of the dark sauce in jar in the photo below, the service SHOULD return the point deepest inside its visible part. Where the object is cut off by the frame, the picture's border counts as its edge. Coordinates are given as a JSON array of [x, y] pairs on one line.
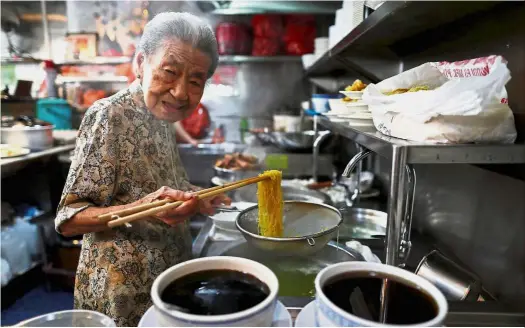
[[215, 292]]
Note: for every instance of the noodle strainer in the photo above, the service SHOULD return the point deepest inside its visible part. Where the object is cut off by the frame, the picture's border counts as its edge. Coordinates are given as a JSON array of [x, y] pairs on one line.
[[308, 227]]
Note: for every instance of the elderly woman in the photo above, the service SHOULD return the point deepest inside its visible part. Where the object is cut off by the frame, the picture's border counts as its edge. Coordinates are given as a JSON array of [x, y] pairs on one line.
[[125, 156]]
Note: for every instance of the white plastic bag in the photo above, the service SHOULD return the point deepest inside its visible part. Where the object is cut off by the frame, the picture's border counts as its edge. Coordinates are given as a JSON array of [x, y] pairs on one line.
[[467, 103]]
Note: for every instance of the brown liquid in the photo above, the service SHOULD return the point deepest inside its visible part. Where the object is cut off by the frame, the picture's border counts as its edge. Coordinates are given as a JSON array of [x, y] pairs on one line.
[[407, 305], [215, 292]]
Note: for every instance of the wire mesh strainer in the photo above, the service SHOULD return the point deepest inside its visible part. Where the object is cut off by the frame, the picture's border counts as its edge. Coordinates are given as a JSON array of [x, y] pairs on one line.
[[308, 227]]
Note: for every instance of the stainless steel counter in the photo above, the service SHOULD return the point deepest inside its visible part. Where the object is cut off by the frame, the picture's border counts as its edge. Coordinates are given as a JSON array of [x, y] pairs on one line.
[[11, 165]]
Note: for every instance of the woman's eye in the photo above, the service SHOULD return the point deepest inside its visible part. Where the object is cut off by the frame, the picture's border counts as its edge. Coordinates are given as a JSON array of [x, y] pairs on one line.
[[196, 83], [169, 71]]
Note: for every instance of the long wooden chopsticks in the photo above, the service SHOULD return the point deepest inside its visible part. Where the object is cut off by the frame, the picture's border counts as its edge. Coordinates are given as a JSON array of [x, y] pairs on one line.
[[146, 210]]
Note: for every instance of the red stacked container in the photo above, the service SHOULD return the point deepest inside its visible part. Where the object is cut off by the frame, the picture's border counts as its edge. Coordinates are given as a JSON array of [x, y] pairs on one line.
[[267, 31], [299, 34], [233, 39]]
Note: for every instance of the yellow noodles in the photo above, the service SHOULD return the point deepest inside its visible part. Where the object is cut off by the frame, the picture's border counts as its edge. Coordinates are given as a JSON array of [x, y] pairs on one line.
[[270, 198]]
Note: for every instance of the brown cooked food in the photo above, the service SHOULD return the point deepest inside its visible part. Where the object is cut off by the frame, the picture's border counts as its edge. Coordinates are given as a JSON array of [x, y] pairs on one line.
[[358, 85], [237, 161], [347, 99]]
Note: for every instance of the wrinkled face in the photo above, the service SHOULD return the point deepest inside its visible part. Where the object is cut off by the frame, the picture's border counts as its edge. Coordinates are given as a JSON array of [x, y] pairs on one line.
[[173, 79]]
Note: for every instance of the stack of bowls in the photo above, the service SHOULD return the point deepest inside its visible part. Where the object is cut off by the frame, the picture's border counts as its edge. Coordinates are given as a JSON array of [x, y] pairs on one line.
[[320, 46], [354, 112], [346, 19]]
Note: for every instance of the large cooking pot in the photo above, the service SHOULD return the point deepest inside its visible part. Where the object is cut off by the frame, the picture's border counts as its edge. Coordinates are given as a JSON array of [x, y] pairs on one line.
[[28, 133]]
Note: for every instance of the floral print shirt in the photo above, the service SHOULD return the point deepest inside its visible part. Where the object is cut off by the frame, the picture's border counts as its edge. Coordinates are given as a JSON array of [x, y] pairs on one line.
[[122, 154]]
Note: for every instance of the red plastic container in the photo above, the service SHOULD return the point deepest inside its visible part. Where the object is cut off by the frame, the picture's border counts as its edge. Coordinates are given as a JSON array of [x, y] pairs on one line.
[[233, 39]]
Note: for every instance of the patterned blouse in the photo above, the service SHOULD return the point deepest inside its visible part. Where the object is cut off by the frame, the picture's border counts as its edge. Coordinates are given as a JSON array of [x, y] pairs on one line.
[[122, 154]]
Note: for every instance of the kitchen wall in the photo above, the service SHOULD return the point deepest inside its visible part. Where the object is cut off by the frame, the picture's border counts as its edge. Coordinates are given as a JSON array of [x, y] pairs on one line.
[[261, 89], [474, 213], [29, 37]]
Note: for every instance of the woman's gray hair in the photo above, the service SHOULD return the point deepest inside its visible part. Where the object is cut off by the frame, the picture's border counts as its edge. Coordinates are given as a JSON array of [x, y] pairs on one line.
[[184, 27]]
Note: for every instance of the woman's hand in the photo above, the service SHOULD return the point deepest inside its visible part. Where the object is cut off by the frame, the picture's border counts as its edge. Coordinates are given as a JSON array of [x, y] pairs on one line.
[[175, 215], [206, 206], [194, 142]]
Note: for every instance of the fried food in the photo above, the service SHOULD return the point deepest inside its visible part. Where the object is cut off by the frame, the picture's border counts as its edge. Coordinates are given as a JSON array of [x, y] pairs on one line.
[[348, 99], [413, 89], [237, 161], [358, 85]]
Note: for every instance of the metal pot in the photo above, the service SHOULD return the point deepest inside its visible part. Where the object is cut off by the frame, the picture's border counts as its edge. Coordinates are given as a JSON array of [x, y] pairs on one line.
[[362, 223], [32, 137]]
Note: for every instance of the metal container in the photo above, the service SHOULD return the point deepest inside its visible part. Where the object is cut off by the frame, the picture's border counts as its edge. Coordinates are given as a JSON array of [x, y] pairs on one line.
[[32, 137], [308, 227], [456, 283], [291, 141], [362, 223]]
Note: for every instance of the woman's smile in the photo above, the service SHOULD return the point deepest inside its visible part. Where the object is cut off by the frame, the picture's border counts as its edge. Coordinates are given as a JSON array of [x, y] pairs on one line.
[[174, 108]]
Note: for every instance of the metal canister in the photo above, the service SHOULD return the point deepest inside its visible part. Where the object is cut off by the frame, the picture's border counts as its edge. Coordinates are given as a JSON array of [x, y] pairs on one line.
[[456, 283]]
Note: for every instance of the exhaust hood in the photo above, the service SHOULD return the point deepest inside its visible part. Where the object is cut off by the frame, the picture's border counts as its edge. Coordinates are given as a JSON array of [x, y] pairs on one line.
[[244, 7]]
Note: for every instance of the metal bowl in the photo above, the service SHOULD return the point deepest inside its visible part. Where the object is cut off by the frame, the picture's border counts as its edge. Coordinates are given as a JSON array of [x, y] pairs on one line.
[[363, 223], [308, 227]]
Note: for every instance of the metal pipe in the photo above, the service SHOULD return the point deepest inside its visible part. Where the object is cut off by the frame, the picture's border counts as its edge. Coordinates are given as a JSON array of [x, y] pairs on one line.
[[357, 191], [354, 161], [394, 219], [405, 243], [47, 33], [321, 136]]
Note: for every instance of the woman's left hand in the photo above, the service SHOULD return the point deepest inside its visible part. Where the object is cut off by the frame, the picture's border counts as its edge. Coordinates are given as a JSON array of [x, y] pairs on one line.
[[207, 206]]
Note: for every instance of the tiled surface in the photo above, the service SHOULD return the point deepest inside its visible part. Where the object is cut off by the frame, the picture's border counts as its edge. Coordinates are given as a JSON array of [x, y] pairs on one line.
[[34, 303]]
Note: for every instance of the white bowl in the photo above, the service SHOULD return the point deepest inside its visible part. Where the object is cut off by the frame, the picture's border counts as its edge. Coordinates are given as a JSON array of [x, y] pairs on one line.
[[260, 315], [226, 220], [338, 106], [308, 60], [357, 106], [353, 94], [330, 315]]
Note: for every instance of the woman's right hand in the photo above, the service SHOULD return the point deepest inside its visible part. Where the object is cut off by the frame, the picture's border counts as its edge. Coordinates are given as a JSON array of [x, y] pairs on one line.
[[176, 215]]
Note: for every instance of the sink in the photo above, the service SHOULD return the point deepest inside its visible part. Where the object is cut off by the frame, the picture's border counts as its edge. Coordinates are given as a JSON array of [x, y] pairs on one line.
[[296, 274]]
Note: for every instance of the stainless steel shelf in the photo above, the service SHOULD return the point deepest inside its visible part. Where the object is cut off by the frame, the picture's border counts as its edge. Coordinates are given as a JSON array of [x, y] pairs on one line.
[[24, 60], [258, 59], [388, 25], [429, 153], [109, 79], [11, 165], [97, 61]]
